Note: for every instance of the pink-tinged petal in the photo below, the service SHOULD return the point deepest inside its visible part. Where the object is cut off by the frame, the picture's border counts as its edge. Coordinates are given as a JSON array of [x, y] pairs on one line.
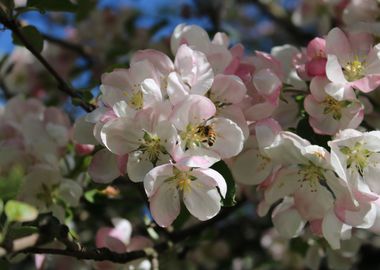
[[192, 35], [194, 70], [235, 114], [316, 48], [251, 167], [363, 218], [334, 70], [316, 67], [103, 167], [165, 204], [317, 88], [228, 89], [83, 131], [267, 84], [159, 60], [139, 243], [195, 157], [287, 220], [286, 183], [118, 78], [176, 89], [372, 65], [222, 39], [212, 178], [201, 200], [122, 164], [121, 135], [39, 260], [105, 240], [312, 202], [266, 131], [287, 148], [219, 58], [84, 149], [156, 177], [260, 111], [337, 44], [122, 230], [367, 84], [340, 91], [111, 95], [193, 110], [332, 229], [229, 139]]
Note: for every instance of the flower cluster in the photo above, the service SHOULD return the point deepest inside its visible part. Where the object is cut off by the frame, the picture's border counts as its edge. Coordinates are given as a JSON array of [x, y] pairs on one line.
[[165, 123], [33, 140]]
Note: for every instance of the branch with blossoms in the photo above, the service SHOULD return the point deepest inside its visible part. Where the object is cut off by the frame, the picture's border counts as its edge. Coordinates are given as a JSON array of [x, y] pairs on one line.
[[74, 249], [62, 85]]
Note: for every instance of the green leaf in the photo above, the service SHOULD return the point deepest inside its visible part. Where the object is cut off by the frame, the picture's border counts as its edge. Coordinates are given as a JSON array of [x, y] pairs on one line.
[[223, 169], [53, 5], [32, 35], [19, 211], [21, 231], [10, 184], [1, 206], [90, 195]]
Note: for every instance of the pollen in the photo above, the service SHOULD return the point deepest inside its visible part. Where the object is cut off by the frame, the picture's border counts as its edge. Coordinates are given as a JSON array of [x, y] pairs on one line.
[[136, 101], [310, 175], [357, 156], [354, 70], [334, 107]]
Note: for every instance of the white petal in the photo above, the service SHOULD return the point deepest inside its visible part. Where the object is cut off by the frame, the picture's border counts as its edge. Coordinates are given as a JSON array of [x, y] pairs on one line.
[[165, 204], [287, 220], [201, 200]]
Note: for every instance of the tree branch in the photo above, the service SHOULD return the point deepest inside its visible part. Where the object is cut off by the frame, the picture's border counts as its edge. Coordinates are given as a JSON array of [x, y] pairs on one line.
[[104, 254], [12, 25]]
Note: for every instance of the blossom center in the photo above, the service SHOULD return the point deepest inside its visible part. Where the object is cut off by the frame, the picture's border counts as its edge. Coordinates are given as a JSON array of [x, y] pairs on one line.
[[353, 70], [311, 175], [357, 156], [334, 107], [151, 146], [136, 101]]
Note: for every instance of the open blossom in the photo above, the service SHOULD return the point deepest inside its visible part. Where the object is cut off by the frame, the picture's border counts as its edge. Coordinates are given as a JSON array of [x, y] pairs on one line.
[[146, 139], [328, 115], [45, 188], [216, 51], [204, 139], [252, 166], [355, 157], [308, 177], [352, 60], [200, 189]]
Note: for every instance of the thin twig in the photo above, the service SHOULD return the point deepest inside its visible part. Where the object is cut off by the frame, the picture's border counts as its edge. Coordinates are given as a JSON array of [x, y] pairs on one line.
[[70, 46], [12, 25]]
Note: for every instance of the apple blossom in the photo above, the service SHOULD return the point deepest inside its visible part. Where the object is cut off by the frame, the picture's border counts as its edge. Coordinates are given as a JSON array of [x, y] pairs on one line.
[[352, 60], [328, 115], [201, 190]]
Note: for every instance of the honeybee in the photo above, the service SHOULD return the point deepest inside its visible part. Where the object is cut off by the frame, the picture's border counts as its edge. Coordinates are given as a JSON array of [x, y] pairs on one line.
[[209, 133]]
